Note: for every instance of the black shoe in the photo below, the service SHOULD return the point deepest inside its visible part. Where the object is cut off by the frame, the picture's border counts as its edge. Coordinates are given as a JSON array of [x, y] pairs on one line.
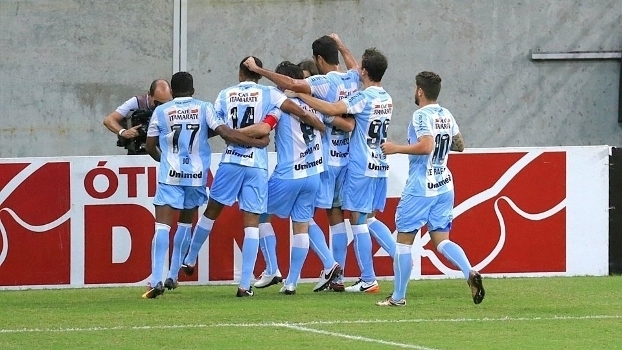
[[153, 292], [477, 288], [170, 284], [188, 270], [245, 292]]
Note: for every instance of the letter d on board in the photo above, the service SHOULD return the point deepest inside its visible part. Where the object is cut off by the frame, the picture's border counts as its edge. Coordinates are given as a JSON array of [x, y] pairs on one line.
[[99, 221]]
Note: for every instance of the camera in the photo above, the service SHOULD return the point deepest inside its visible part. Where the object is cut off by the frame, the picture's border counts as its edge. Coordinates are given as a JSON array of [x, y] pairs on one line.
[[136, 145]]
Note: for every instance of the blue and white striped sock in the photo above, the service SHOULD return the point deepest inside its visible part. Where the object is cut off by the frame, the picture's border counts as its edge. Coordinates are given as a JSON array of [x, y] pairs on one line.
[[267, 243], [317, 241], [456, 255], [249, 255], [201, 232], [300, 248], [402, 266], [159, 247], [382, 234], [180, 246], [362, 248]]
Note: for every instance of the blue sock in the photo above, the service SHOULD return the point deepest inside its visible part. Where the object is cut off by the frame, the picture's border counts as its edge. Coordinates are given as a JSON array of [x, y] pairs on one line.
[[267, 243], [159, 247], [402, 265], [339, 242], [182, 236], [362, 248], [382, 234], [300, 248], [456, 255], [319, 246], [249, 255], [201, 232]]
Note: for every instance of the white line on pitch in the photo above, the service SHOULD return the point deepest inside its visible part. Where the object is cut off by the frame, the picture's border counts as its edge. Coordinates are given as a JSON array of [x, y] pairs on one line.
[[311, 323], [354, 337]]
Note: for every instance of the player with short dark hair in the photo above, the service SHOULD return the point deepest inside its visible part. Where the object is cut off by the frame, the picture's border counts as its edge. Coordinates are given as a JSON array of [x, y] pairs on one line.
[[293, 186], [331, 86], [365, 185], [428, 196], [177, 138], [243, 171]]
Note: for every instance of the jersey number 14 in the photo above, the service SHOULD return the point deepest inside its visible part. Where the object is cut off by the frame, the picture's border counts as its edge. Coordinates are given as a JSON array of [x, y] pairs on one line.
[[247, 119]]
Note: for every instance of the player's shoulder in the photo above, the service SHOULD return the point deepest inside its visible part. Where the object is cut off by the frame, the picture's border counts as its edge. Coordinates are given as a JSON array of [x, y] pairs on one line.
[[226, 90], [165, 107], [423, 112], [318, 79], [342, 77]]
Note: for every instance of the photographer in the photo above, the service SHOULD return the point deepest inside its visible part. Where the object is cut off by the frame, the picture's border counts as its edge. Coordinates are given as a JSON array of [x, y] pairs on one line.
[[130, 120]]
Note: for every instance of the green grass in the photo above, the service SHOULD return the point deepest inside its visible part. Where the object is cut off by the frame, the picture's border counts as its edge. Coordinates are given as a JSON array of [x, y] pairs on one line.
[[518, 313]]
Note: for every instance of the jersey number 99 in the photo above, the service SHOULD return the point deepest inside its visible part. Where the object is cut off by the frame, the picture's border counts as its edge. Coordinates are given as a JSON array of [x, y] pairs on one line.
[[377, 132]]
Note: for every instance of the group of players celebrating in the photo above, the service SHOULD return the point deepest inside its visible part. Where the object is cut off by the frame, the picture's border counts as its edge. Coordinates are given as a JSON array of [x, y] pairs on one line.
[[331, 144]]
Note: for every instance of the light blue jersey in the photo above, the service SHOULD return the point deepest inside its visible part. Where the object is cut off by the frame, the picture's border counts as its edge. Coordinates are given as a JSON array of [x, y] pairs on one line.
[[372, 109], [332, 87], [242, 105], [428, 174], [181, 126], [298, 146]]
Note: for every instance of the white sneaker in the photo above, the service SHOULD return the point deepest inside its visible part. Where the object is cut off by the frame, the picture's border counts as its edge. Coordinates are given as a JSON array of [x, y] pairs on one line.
[[288, 289], [328, 276], [361, 286], [268, 280]]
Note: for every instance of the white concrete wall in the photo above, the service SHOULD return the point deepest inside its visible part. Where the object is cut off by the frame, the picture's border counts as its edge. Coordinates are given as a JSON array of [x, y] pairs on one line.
[[66, 64]]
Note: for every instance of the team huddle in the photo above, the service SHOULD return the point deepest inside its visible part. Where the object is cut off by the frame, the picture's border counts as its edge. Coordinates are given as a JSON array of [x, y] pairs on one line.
[[331, 145]]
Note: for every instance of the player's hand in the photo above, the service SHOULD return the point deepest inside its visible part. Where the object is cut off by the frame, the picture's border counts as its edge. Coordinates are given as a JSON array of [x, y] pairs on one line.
[[290, 93], [265, 141], [131, 132], [250, 63], [389, 148], [336, 38]]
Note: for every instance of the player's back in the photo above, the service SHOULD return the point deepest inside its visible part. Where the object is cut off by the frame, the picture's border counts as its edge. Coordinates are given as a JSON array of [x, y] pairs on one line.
[[428, 174], [298, 146], [332, 87], [243, 105], [371, 131], [185, 151]]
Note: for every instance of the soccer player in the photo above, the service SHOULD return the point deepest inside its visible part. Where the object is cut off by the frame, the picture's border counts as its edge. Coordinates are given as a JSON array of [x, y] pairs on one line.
[[293, 186], [243, 171], [332, 86], [365, 186], [309, 68], [428, 197], [177, 138]]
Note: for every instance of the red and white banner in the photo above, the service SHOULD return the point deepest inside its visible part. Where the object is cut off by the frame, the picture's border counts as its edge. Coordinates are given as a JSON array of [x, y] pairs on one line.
[[88, 221]]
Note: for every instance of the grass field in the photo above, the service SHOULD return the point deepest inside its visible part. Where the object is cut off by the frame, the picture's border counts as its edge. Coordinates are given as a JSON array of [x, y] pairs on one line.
[[518, 313]]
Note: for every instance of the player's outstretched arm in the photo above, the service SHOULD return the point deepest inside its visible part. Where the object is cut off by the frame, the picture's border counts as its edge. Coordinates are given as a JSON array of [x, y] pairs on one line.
[[457, 143], [348, 57], [345, 124], [306, 117], [151, 146], [283, 81], [235, 136], [337, 108], [425, 145]]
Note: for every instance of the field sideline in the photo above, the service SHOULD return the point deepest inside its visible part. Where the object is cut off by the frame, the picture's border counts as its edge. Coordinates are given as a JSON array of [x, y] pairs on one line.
[[518, 313]]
